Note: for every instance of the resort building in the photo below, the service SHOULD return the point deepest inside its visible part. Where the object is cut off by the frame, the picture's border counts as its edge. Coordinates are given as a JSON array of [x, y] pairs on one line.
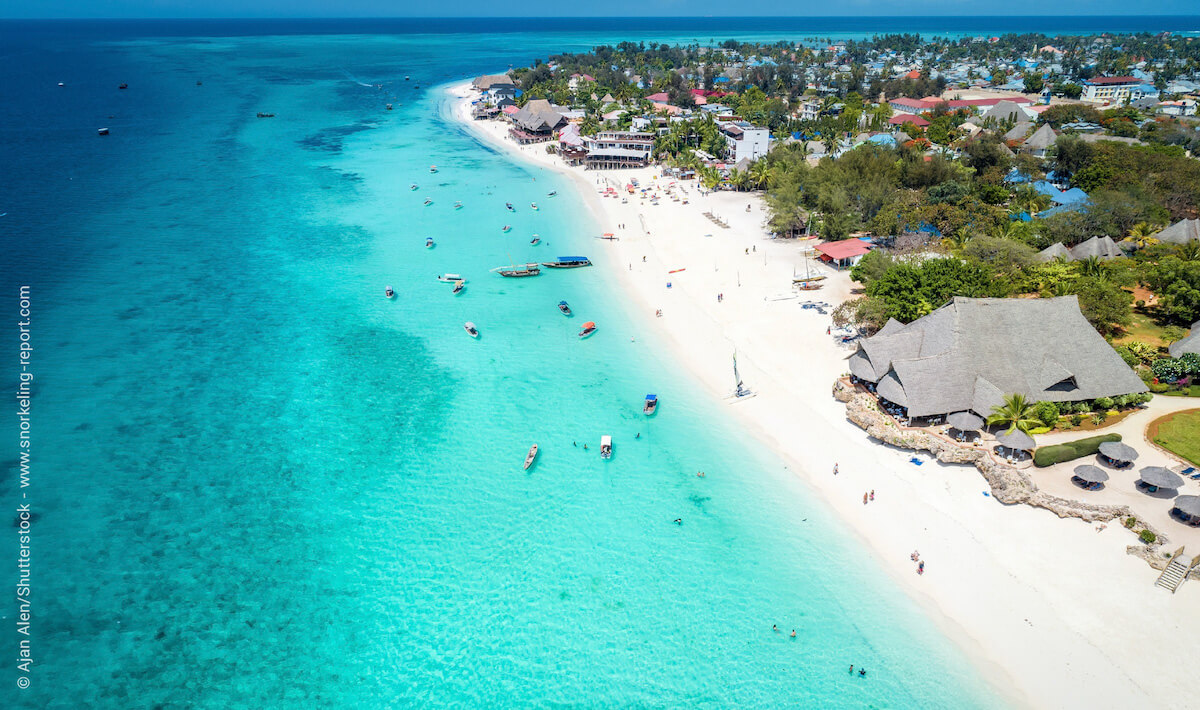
[[1109, 89], [843, 254], [1190, 344], [1041, 141], [1100, 247], [970, 353], [536, 122], [618, 149], [745, 141], [1185, 230]]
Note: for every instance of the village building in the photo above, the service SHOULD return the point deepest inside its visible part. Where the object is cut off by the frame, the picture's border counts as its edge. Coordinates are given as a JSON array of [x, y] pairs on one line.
[[1185, 230], [967, 355], [1109, 89], [1190, 344], [618, 149], [745, 141]]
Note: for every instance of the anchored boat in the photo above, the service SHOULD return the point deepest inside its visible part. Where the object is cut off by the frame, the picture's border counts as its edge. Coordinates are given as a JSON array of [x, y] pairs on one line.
[[650, 405], [564, 308], [450, 278], [568, 262], [428, 201], [535, 241], [518, 270], [588, 329], [606, 447], [459, 286], [389, 292], [471, 329], [429, 242], [529, 457]]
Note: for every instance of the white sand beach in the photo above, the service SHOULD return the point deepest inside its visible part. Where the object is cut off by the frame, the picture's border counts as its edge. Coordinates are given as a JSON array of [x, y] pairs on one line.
[[1051, 609]]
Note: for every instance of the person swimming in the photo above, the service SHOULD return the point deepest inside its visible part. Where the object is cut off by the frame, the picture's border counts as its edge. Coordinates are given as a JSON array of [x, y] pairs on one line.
[[678, 521], [775, 628], [639, 435], [793, 633], [862, 672]]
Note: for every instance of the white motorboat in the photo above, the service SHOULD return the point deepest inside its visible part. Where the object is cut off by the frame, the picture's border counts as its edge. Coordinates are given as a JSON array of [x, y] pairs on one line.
[[529, 457], [389, 292], [450, 278], [471, 329], [606, 447]]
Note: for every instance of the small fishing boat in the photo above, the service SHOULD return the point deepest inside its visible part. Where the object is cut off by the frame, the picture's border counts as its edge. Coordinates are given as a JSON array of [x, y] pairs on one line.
[[807, 285], [459, 286], [588, 329], [389, 292], [606, 447], [433, 168], [518, 270], [568, 262], [533, 206], [536, 240], [609, 236], [509, 206], [552, 193], [389, 107], [450, 278], [650, 405], [564, 308], [529, 457], [458, 205], [506, 228], [406, 77], [412, 186], [103, 131], [429, 243], [471, 329], [428, 201], [123, 86]]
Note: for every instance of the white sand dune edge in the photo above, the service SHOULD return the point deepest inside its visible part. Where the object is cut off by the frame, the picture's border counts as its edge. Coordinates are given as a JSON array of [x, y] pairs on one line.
[[1052, 611]]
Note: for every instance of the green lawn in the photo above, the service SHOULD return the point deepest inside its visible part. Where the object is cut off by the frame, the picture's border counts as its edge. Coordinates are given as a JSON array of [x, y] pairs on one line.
[[1180, 434], [1142, 327]]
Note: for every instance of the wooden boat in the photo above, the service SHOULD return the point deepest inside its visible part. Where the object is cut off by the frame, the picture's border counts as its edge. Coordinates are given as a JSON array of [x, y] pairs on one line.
[[103, 131], [552, 193], [265, 115], [433, 168], [610, 237], [806, 285], [588, 329], [606, 447], [412, 186], [450, 278], [529, 457], [567, 262], [518, 270], [564, 308], [533, 206], [459, 286], [650, 405], [389, 107], [458, 205], [428, 201], [471, 329], [536, 240], [506, 228], [389, 292], [509, 206], [123, 86], [429, 243]]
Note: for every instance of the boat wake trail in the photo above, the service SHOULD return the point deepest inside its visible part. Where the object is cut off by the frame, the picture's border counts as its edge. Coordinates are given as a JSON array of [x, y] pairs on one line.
[[355, 79]]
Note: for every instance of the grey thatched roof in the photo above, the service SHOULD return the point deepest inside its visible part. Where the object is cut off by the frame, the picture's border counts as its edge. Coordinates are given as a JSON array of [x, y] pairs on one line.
[[1091, 474], [487, 81], [1099, 247], [1117, 451], [971, 352], [1041, 139], [1185, 230], [965, 421], [901, 137], [1190, 344], [538, 115], [1190, 505], [1005, 111], [1019, 131], [1055, 251], [1016, 439], [1160, 477], [890, 327]]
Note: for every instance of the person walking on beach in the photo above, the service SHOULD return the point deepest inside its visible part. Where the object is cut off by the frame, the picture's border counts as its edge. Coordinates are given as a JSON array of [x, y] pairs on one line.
[[835, 469], [872, 494], [864, 498], [921, 567]]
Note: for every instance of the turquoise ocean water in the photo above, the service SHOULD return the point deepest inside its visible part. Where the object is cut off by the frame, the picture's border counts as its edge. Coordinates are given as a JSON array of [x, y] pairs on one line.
[[258, 483]]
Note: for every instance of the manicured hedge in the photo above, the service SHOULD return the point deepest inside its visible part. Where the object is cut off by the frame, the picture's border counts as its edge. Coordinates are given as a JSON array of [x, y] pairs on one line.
[[1050, 455]]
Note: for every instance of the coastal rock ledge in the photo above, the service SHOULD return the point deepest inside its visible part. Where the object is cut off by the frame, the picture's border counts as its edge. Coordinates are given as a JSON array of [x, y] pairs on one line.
[[1009, 485]]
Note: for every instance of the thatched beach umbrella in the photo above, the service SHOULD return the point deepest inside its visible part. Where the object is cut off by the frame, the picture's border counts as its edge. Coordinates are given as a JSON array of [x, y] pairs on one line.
[[1091, 474], [1016, 439], [1188, 505], [1117, 451], [1160, 477], [965, 421]]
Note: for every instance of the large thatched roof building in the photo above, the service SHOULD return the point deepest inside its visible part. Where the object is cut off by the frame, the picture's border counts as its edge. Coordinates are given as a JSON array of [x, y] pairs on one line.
[[968, 354]]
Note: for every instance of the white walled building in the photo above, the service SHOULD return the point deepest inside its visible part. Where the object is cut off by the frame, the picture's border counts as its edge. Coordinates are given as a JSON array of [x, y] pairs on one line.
[[745, 141]]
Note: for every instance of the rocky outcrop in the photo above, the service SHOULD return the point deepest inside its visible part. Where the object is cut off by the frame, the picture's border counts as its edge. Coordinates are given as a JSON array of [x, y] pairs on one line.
[[1009, 485]]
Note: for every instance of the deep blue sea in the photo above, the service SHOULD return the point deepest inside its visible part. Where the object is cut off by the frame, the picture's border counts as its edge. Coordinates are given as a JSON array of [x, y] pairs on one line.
[[259, 483]]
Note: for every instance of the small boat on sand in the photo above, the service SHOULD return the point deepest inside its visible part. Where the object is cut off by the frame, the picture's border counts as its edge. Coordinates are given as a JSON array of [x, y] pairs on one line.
[[568, 262], [529, 457], [588, 329], [429, 243], [471, 329], [428, 201], [536, 240], [606, 447], [459, 286], [450, 278], [389, 292], [650, 405], [518, 270], [564, 308]]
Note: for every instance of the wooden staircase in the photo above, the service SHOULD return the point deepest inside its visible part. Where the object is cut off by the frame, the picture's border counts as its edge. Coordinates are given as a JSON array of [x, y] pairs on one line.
[[1176, 571]]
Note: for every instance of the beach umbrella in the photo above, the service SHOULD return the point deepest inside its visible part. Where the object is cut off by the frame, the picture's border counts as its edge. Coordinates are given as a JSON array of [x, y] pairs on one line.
[[1091, 474], [1188, 505], [965, 421], [1016, 439], [1160, 477], [1117, 451]]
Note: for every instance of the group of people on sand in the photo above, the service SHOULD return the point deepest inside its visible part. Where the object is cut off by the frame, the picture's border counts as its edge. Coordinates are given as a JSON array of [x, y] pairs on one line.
[[916, 557], [867, 497]]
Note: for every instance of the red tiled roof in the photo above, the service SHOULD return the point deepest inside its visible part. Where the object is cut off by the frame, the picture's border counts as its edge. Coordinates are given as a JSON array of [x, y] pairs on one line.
[[1113, 80], [914, 74], [845, 249], [660, 97], [902, 118]]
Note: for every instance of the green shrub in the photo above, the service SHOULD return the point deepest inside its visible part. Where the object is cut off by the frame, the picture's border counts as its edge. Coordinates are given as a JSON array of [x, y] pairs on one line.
[[1081, 407], [1159, 387], [1076, 419], [1102, 404], [1147, 537], [1046, 413], [1050, 455], [1130, 522]]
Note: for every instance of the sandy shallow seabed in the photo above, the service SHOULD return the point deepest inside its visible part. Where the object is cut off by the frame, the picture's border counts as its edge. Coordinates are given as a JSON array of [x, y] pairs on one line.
[[1052, 611]]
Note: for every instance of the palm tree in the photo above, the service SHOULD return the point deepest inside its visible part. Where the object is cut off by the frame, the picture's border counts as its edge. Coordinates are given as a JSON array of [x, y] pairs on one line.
[[1189, 251], [1093, 267], [1015, 413]]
